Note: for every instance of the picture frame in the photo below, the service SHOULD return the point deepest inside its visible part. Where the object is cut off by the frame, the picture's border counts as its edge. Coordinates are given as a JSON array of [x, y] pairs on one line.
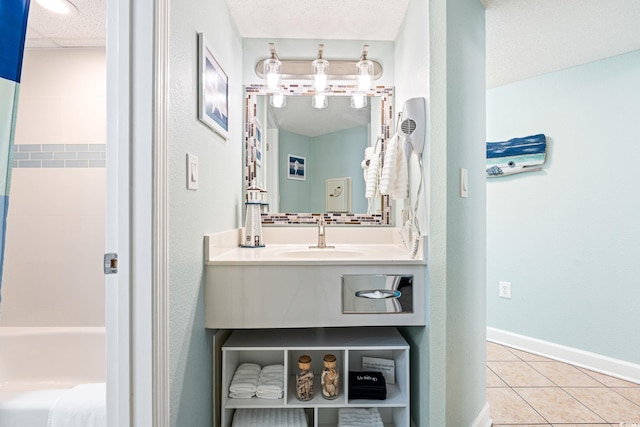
[[213, 90], [258, 136], [297, 167]]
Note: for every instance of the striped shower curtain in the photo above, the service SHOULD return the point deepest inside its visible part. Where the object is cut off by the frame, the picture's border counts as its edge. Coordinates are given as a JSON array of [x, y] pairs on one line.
[[13, 29]]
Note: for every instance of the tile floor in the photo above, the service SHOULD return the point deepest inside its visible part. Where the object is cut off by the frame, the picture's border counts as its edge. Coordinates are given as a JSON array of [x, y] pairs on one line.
[[528, 390]]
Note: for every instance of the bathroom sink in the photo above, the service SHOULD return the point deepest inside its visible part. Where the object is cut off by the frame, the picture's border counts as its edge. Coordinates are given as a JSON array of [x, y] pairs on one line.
[[322, 253]]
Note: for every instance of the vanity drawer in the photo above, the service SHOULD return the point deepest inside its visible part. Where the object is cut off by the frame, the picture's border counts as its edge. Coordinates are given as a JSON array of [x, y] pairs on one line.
[[377, 293]]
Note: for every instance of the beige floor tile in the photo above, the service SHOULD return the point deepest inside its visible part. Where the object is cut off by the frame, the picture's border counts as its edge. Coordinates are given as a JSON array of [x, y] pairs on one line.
[[519, 374], [529, 357], [493, 380], [563, 374], [633, 394], [607, 380], [509, 408], [608, 404], [557, 406], [585, 425], [497, 352], [521, 425]]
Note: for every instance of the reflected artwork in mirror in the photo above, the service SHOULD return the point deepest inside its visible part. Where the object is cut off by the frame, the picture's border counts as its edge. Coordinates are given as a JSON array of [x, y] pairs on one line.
[[332, 141]]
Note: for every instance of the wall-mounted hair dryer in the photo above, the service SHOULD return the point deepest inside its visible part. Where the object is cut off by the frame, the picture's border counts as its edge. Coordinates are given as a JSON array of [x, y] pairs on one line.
[[413, 123]]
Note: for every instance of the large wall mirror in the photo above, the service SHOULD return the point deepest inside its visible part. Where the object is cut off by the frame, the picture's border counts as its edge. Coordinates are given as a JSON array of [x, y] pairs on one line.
[[309, 160]]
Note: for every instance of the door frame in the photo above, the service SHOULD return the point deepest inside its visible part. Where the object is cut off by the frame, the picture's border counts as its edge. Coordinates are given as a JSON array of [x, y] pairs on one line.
[[137, 213]]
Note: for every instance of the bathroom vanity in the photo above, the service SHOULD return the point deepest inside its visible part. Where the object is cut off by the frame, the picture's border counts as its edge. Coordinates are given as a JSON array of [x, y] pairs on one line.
[[291, 298]]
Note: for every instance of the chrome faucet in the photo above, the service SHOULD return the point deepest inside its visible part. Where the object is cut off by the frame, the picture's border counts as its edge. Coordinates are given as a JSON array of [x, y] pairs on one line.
[[322, 244]]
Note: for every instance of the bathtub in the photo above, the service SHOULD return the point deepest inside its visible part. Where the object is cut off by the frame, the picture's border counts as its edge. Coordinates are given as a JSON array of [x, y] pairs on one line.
[[39, 365]]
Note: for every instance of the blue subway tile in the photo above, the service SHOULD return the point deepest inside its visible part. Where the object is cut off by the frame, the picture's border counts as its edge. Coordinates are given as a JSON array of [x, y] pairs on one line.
[[41, 156], [76, 163], [52, 147], [21, 156], [77, 147], [14, 164], [89, 155], [29, 147], [97, 147], [97, 164], [65, 155], [29, 163], [53, 163]]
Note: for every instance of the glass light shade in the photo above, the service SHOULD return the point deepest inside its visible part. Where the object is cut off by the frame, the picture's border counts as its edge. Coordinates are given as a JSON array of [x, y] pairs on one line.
[[271, 71], [278, 100], [364, 73], [358, 100], [320, 74], [319, 100], [62, 7]]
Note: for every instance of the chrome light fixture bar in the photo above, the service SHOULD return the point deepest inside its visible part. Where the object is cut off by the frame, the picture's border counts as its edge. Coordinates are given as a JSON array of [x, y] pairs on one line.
[[302, 69]]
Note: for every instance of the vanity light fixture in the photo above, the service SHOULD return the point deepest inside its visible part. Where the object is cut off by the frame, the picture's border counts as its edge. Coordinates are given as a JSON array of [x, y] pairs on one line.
[[272, 69], [320, 71], [364, 70], [63, 7]]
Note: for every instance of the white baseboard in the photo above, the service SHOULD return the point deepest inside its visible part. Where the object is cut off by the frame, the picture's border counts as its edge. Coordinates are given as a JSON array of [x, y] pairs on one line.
[[595, 362], [484, 418]]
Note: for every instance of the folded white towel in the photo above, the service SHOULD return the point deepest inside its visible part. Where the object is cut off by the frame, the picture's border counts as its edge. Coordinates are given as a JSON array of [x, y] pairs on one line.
[[85, 405], [244, 383], [269, 417], [271, 382], [372, 175], [359, 417], [401, 180]]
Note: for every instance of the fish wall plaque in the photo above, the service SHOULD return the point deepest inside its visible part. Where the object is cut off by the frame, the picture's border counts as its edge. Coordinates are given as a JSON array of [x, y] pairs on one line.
[[516, 155]]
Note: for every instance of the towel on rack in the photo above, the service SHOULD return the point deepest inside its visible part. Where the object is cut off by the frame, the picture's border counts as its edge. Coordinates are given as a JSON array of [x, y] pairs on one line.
[[394, 179], [271, 382], [269, 417], [359, 417], [244, 383], [387, 176], [85, 405]]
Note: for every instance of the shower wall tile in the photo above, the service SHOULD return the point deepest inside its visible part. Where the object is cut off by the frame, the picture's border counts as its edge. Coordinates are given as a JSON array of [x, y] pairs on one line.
[[56, 218]]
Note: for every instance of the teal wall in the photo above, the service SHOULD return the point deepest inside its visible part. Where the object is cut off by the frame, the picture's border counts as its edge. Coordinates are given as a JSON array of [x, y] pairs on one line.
[[568, 237], [327, 156], [214, 207]]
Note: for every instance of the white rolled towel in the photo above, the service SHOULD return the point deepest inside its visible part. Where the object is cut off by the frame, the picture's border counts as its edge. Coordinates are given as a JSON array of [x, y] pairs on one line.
[[271, 382], [244, 383], [388, 174], [400, 188], [359, 417]]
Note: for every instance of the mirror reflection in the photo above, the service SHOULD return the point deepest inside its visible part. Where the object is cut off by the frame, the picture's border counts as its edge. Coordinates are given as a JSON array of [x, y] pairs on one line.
[[311, 160]]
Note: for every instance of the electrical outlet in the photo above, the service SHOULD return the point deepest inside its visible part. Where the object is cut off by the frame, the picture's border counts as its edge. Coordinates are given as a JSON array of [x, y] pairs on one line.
[[504, 289]]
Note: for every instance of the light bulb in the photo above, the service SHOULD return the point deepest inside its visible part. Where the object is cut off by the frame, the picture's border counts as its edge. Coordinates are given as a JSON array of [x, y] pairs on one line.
[[319, 100], [320, 74], [278, 100], [364, 72], [271, 70], [358, 100]]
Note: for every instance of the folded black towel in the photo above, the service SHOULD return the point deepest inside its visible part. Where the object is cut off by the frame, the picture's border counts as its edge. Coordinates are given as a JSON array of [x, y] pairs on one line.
[[367, 385]]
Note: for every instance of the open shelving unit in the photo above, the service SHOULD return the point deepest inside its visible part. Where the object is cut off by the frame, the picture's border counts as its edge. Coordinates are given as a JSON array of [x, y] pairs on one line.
[[349, 345]]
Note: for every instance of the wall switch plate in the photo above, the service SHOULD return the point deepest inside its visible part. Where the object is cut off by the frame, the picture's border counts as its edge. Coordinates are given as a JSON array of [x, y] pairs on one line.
[[464, 183], [504, 290], [192, 172]]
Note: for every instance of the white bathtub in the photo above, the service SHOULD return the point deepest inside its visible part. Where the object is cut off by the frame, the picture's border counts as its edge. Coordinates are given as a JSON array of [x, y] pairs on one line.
[[38, 365]]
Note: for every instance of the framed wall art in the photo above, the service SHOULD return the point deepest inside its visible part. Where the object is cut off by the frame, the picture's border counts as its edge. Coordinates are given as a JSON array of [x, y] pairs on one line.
[[213, 90], [297, 167]]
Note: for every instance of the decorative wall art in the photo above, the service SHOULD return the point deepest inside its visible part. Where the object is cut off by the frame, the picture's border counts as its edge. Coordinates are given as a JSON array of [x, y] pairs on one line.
[[213, 90], [297, 167], [516, 155]]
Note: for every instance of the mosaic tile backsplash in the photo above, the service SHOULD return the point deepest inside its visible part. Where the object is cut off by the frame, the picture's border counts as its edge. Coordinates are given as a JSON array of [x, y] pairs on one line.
[[59, 155]]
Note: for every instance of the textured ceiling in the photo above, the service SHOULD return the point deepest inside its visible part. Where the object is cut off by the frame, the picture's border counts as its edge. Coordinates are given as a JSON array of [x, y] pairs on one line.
[[84, 29], [525, 38]]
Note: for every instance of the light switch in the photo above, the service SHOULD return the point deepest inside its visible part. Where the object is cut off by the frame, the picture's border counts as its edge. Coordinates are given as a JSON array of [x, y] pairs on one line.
[[464, 183], [192, 172]]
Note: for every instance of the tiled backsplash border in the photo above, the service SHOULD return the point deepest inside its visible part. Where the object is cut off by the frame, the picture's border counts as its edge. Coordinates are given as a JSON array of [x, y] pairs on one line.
[[59, 155]]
